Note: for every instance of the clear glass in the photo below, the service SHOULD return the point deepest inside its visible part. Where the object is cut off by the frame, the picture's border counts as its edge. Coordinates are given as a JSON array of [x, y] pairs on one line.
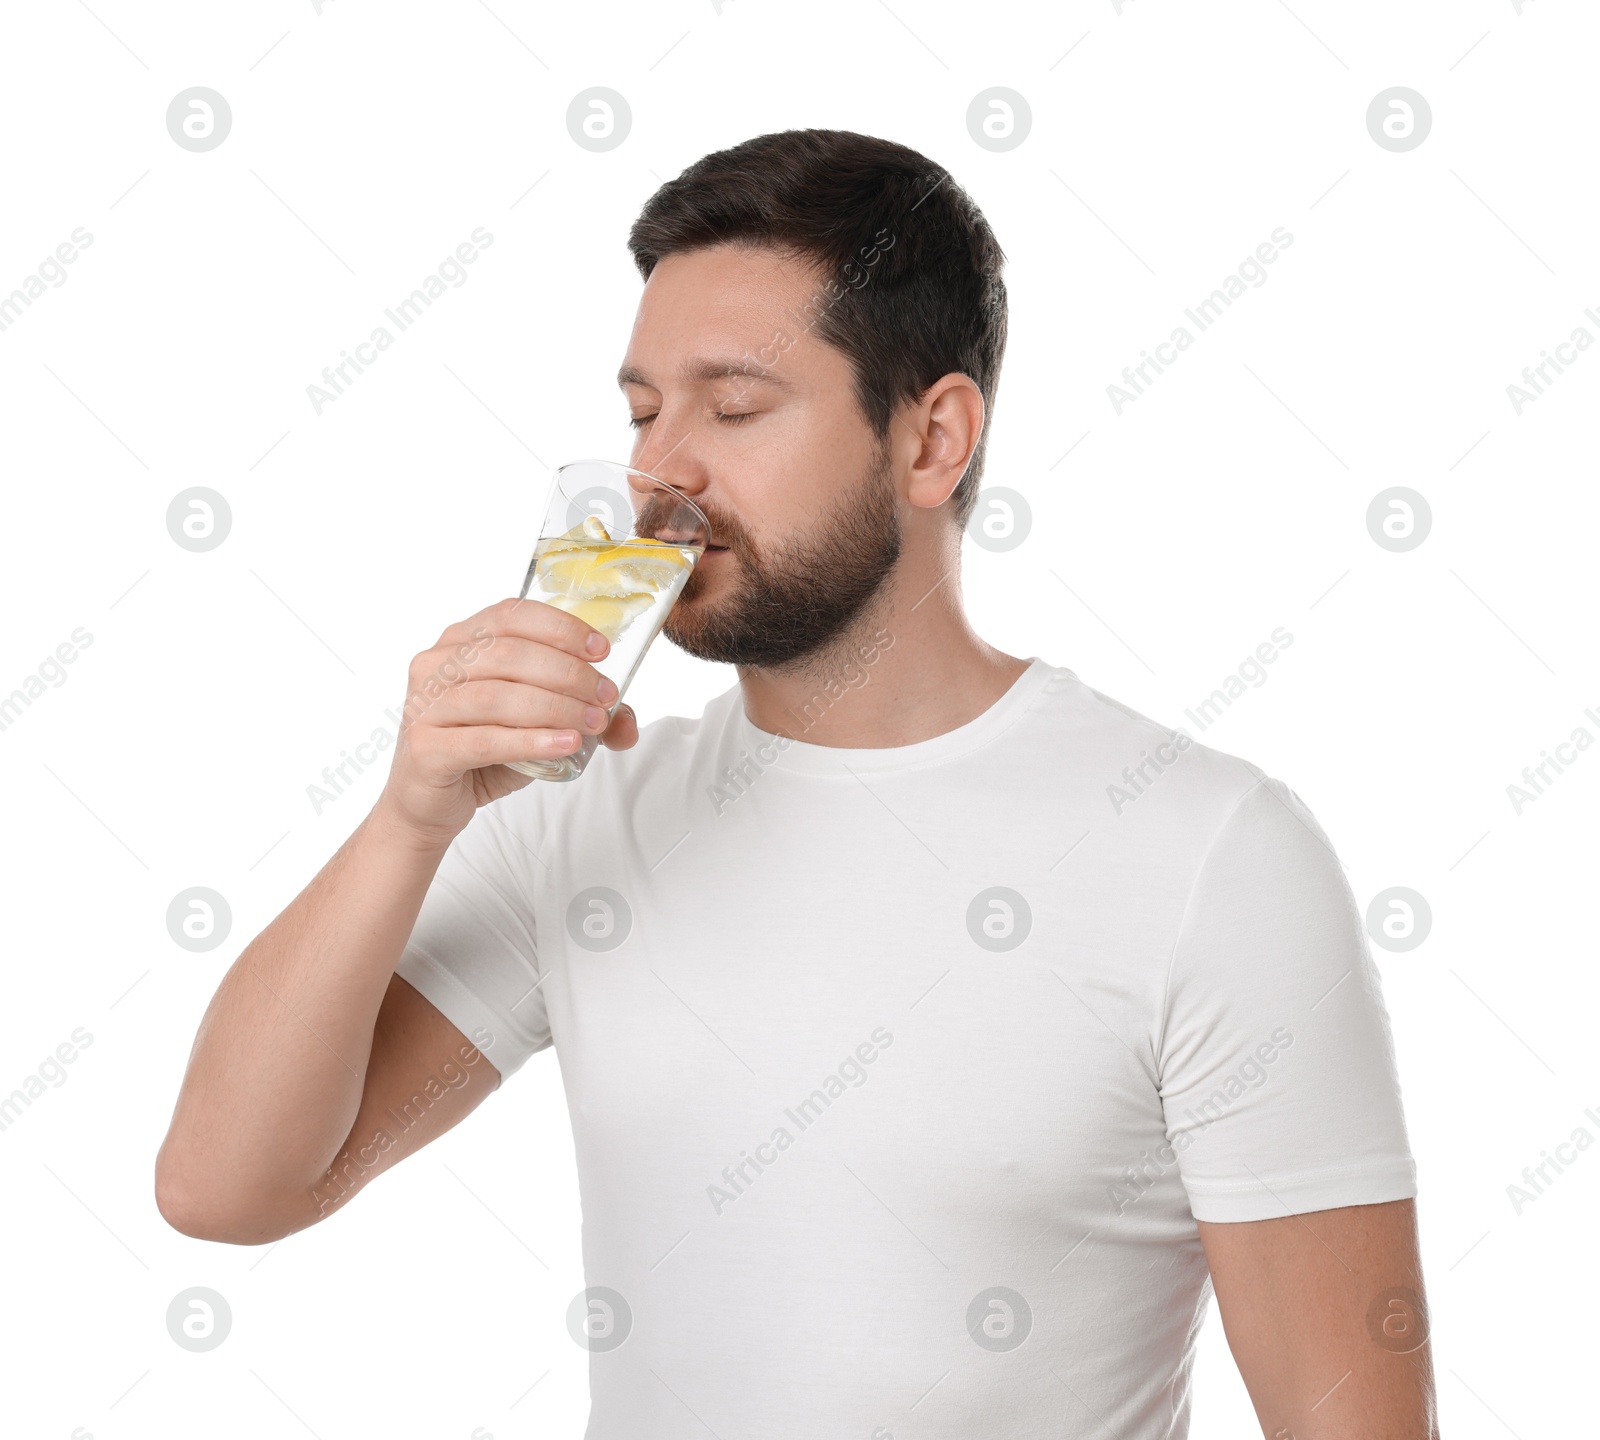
[[616, 548]]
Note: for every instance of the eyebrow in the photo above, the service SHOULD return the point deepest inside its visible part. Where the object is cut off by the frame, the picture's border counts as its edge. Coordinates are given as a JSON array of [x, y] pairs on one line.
[[711, 369]]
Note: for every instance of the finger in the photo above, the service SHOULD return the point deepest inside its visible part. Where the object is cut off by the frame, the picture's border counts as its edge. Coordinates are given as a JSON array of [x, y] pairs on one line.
[[507, 702], [531, 620], [623, 731], [455, 749], [531, 662], [434, 673]]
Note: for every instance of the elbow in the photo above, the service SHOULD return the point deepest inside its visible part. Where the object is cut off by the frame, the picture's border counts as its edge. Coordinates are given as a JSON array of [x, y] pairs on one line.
[[191, 1211], [186, 1211], [180, 1210]]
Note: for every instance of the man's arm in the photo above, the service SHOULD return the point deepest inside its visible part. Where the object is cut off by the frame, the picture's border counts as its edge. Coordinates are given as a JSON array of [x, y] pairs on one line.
[[296, 1070], [311, 1049], [423, 1077], [1327, 1319]]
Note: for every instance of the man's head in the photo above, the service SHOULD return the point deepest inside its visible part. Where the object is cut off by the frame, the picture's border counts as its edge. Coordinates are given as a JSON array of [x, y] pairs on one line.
[[816, 349]]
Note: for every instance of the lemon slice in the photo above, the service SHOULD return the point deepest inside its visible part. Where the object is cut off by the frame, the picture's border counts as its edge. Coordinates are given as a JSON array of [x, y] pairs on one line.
[[563, 567], [581, 536], [609, 614], [607, 583], [625, 569]]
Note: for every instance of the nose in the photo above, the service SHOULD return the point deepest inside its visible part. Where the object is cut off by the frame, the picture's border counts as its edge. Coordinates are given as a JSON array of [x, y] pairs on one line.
[[676, 466], [678, 524]]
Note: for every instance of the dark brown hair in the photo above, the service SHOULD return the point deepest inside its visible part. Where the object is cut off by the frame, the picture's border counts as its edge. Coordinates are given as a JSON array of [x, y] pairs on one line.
[[913, 288]]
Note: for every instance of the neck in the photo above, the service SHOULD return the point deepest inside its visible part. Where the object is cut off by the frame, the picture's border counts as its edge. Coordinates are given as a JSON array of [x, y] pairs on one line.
[[910, 667]]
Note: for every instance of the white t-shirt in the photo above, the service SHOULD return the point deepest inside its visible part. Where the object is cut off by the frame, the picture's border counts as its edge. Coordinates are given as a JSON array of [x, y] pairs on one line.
[[899, 1077]]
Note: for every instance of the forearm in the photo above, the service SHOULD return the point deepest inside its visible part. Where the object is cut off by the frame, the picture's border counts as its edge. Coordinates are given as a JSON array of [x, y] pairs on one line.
[[276, 1074]]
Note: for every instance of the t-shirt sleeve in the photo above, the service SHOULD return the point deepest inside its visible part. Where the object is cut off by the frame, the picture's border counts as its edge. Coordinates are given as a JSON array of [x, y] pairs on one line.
[[1277, 1064], [474, 949]]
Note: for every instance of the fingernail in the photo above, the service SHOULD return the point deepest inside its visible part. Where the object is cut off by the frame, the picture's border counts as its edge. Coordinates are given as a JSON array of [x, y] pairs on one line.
[[596, 643], [594, 717], [607, 692]]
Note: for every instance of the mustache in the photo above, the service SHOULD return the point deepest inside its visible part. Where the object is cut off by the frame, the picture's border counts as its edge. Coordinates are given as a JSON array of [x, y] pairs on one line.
[[660, 508]]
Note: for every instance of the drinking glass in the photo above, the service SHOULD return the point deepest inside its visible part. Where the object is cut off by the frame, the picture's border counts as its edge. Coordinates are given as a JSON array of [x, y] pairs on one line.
[[616, 549]]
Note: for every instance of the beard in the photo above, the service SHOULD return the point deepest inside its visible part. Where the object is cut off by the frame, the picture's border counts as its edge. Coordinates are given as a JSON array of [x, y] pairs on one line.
[[780, 608]]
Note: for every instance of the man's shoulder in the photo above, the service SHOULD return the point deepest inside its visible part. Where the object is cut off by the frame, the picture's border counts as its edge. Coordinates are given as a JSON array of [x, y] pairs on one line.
[[1141, 764]]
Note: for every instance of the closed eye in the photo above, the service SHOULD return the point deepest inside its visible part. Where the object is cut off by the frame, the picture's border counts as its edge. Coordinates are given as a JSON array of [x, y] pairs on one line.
[[640, 421]]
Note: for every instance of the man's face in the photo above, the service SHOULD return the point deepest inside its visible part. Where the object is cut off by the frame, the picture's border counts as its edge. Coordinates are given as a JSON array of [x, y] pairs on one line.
[[773, 450]]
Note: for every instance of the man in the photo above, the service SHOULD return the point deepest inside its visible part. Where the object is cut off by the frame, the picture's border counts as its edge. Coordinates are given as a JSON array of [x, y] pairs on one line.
[[937, 1031]]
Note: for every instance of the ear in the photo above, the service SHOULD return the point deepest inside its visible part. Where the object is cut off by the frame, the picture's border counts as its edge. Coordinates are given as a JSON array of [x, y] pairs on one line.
[[948, 424]]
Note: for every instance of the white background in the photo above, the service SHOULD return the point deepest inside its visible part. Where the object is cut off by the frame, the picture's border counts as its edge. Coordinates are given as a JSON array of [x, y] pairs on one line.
[[367, 142]]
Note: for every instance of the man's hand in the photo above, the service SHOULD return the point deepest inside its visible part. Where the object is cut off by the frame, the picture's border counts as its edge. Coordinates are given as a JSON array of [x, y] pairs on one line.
[[1327, 1321], [513, 682]]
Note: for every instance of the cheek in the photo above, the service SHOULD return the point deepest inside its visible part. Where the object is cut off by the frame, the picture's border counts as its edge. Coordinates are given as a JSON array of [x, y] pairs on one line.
[[836, 450], [782, 485]]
